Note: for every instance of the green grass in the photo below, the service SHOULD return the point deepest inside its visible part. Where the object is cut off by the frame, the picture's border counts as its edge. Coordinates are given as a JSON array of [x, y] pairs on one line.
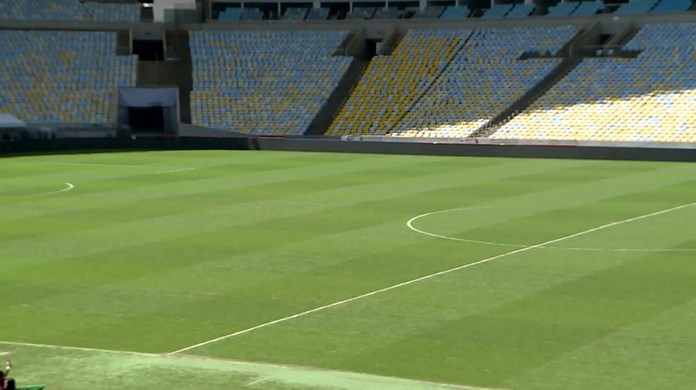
[[143, 257]]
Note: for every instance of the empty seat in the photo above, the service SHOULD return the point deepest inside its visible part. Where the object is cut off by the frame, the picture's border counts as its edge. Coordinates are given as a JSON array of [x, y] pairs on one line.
[[636, 7], [318, 14], [452, 13], [69, 10], [667, 6], [268, 82], [562, 9], [230, 14], [447, 83], [497, 11], [62, 76], [587, 8], [295, 13], [647, 99], [520, 11]]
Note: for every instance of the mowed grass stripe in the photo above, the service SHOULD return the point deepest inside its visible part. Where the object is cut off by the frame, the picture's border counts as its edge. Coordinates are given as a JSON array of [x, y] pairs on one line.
[[177, 202], [57, 264], [77, 275], [289, 221], [100, 185], [164, 187], [415, 280], [164, 205], [185, 221], [485, 325], [348, 249], [656, 353]]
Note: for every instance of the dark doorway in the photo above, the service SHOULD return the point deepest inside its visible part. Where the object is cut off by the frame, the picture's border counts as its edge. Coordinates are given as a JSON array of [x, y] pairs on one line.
[[604, 38], [152, 110], [146, 119], [371, 46], [149, 50]]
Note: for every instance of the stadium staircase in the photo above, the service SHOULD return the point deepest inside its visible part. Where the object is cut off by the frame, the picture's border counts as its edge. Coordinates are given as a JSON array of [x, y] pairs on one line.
[[176, 70], [338, 97], [353, 45], [623, 36], [391, 42], [123, 43], [526, 100], [571, 59], [426, 91]]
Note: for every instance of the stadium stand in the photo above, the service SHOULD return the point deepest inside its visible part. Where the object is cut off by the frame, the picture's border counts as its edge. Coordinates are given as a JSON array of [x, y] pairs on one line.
[[497, 11], [230, 14], [391, 85], [68, 10], [587, 8], [252, 14], [521, 11], [430, 12], [113, 12], [387, 13], [62, 77], [271, 82], [318, 14], [295, 13], [562, 9], [453, 13], [649, 98], [482, 80], [460, 81], [666, 6], [362, 13], [636, 7]]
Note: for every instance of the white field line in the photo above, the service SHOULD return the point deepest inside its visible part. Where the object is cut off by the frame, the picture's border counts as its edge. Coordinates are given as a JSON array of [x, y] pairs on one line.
[[68, 187], [426, 277], [222, 360], [410, 222], [417, 217], [82, 349]]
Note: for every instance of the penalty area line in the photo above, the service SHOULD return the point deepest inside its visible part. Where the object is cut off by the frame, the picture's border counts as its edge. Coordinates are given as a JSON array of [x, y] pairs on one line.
[[426, 277]]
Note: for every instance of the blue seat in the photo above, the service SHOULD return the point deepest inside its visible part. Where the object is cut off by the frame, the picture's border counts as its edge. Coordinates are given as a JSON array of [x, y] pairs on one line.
[[62, 69], [497, 11], [234, 70]]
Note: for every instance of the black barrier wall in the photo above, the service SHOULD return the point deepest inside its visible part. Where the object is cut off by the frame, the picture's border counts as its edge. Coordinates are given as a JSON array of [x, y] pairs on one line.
[[96, 145], [335, 145], [480, 150]]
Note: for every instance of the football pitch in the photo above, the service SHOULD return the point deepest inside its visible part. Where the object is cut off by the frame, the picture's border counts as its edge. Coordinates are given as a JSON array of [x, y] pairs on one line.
[[285, 270]]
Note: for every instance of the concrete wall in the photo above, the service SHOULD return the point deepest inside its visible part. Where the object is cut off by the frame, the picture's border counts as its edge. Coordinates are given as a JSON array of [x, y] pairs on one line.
[[609, 23]]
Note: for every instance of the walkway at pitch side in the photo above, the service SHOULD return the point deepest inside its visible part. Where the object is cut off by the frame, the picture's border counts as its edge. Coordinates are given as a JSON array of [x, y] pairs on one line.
[[94, 368]]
